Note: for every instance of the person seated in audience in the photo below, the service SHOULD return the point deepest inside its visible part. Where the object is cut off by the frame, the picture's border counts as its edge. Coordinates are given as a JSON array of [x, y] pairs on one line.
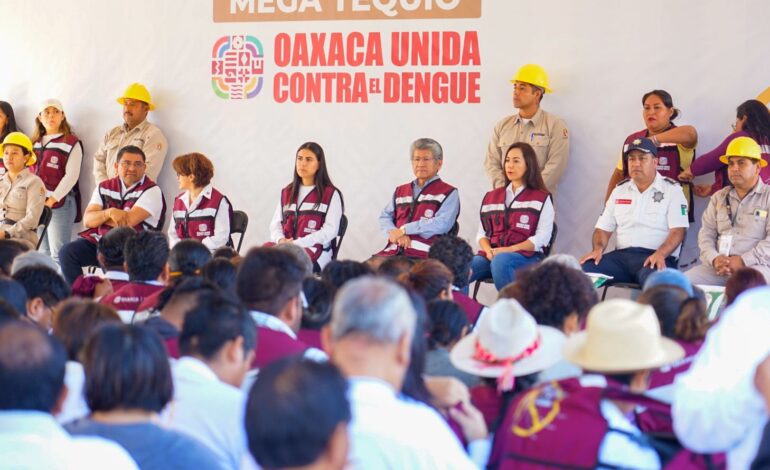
[[394, 266], [146, 258], [130, 199], [337, 272], [32, 389], [9, 250], [457, 255], [370, 340], [447, 324], [45, 289], [217, 345], [227, 252], [200, 212], [310, 209], [762, 384], [33, 259], [269, 284], [13, 292], [419, 211], [429, 278], [8, 312], [650, 215], [22, 193], [301, 255], [222, 273], [73, 322], [318, 311], [128, 383], [734, 232], [740, 281], [109, 253], [622, 343], [290, 428], [516, 220]]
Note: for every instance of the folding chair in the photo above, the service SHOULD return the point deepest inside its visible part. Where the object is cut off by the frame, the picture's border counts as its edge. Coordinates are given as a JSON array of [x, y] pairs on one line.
[[337, 242], [45, 221], [238, 224]]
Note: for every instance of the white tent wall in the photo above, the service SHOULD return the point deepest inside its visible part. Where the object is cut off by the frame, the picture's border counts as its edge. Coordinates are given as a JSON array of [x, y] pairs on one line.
[[602, 55]]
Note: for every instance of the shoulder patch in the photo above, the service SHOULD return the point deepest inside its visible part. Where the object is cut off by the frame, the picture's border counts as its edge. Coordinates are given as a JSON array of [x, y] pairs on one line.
[[671, 180], [623, 182]]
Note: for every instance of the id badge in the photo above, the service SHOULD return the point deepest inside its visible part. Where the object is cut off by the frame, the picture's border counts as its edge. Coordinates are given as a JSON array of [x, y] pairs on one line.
[[725, 244]]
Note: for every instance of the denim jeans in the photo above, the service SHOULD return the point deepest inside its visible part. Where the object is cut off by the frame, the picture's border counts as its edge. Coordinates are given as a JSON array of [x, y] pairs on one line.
[[60, 230], [502, 268]]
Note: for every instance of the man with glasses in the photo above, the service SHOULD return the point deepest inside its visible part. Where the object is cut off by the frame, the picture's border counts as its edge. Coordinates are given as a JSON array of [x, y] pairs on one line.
[[421, 210], [131, 199], [649, 213]]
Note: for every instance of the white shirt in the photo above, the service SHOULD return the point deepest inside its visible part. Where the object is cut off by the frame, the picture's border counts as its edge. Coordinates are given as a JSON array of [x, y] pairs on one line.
[[209, 410], [716, 406], [621, 450], [271, 322], [643, 220], [221, 221], [150, 200], [75, 406], [34, 440], [388, 433], [71, 170], [544, 224]]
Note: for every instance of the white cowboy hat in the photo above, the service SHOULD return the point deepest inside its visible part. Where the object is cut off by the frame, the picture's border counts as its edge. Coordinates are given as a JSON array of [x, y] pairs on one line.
[[507, 337], [621, 336]]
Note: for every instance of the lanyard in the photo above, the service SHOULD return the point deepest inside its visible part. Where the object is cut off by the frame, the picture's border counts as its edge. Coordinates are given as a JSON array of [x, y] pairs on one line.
[[729, 210]]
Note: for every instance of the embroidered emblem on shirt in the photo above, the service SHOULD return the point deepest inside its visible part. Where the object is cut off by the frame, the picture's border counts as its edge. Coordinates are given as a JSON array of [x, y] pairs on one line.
[[203, 227], [524, 219], [663, 161], [428, 213], [311, 224], [54, 160], [657, 196], [637, 141]]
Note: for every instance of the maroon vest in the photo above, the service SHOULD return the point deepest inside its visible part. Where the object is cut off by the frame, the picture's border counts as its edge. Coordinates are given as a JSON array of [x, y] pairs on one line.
[[172, 347], [509, 225], [471, 308], [52, 162], [109, 191], [666, 374], [407, 208], [310, 337], [299, 220], [130, 296], [669, 162], [151, 301], [273, 345], [199, 223], [488, 401]]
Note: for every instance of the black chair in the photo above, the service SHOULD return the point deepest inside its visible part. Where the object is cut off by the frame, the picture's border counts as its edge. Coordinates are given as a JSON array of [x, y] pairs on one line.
[[44, 222], [455, 229], [546, 252], [239, 222], [337, 242]]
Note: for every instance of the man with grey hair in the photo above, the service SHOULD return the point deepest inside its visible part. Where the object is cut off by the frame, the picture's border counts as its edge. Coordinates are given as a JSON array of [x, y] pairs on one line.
[[369, 339], [421, 210]]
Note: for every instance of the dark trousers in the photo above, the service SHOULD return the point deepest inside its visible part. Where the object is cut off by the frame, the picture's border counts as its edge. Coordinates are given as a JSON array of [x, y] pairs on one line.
[[626, 265], [74, 256]]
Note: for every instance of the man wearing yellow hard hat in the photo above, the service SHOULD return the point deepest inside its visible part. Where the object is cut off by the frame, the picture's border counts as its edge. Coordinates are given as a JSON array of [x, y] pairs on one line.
[[22, 193], [733, 233], [546, 133], [135, 130]]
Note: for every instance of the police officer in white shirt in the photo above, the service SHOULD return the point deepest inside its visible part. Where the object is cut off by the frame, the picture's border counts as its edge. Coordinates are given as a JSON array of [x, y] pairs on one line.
[[649, 213]]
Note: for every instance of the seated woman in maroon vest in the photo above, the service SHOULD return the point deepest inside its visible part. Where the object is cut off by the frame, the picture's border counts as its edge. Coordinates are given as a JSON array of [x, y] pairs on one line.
[[200, 212], [516, 220], [59, 154], [311, 207]]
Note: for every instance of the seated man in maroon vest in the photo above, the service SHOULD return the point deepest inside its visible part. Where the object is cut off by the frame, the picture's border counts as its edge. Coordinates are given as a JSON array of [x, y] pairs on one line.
[[131, 199], [109, 252], [269, 283], [146, 258], [456, 254], [421, 210]]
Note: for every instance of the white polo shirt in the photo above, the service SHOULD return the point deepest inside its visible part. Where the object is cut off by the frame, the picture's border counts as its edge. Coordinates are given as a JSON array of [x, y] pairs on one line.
[[643, 219]]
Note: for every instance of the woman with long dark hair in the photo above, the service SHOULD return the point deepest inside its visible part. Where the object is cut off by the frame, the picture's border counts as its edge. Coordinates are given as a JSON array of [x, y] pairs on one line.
[[516, 220], [7, 125], [311, 207]]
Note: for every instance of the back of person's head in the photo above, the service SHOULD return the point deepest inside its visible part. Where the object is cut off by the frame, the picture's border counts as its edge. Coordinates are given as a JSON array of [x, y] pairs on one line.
[[111, 245], [429, 278], [680, 315], [337, 273], [394, 266], [319, 296], [9, 250], [297, 413], [45, 289], [456, 254], [14, 293], [563, 259], [33, 258], [215, 320], [8, 312], [226, 252], [376, 308], [222, 272], [268, 279], [76, 319], [740, 281], [300, 254], [187, 259], [146, 254], [31, 368], [184, 294], [126, 368], [447, 323]]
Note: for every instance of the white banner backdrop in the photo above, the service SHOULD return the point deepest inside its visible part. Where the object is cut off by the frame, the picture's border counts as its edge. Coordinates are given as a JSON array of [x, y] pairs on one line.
[[601, 55]]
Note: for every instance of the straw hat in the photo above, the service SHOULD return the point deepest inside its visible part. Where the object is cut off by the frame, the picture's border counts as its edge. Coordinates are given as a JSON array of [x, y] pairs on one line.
[[508, 340], [621, 336]]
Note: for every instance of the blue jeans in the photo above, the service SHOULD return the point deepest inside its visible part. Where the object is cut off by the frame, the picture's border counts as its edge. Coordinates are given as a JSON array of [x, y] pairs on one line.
[[502, 268], [60, 230]]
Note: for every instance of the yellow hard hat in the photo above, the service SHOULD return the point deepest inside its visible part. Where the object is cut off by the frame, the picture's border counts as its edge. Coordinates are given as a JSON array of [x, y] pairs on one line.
[[137, 91], [534, 75], [20, 139], [745, 147]]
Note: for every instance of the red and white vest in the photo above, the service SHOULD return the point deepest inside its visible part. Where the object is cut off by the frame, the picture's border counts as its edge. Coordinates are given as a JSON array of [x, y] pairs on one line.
[[199, 223], [509, 225], [299, 220], [109, 191], [408, 209], [666, 374], [52, 162], [273, 345], [127, 299], [471, 307]]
